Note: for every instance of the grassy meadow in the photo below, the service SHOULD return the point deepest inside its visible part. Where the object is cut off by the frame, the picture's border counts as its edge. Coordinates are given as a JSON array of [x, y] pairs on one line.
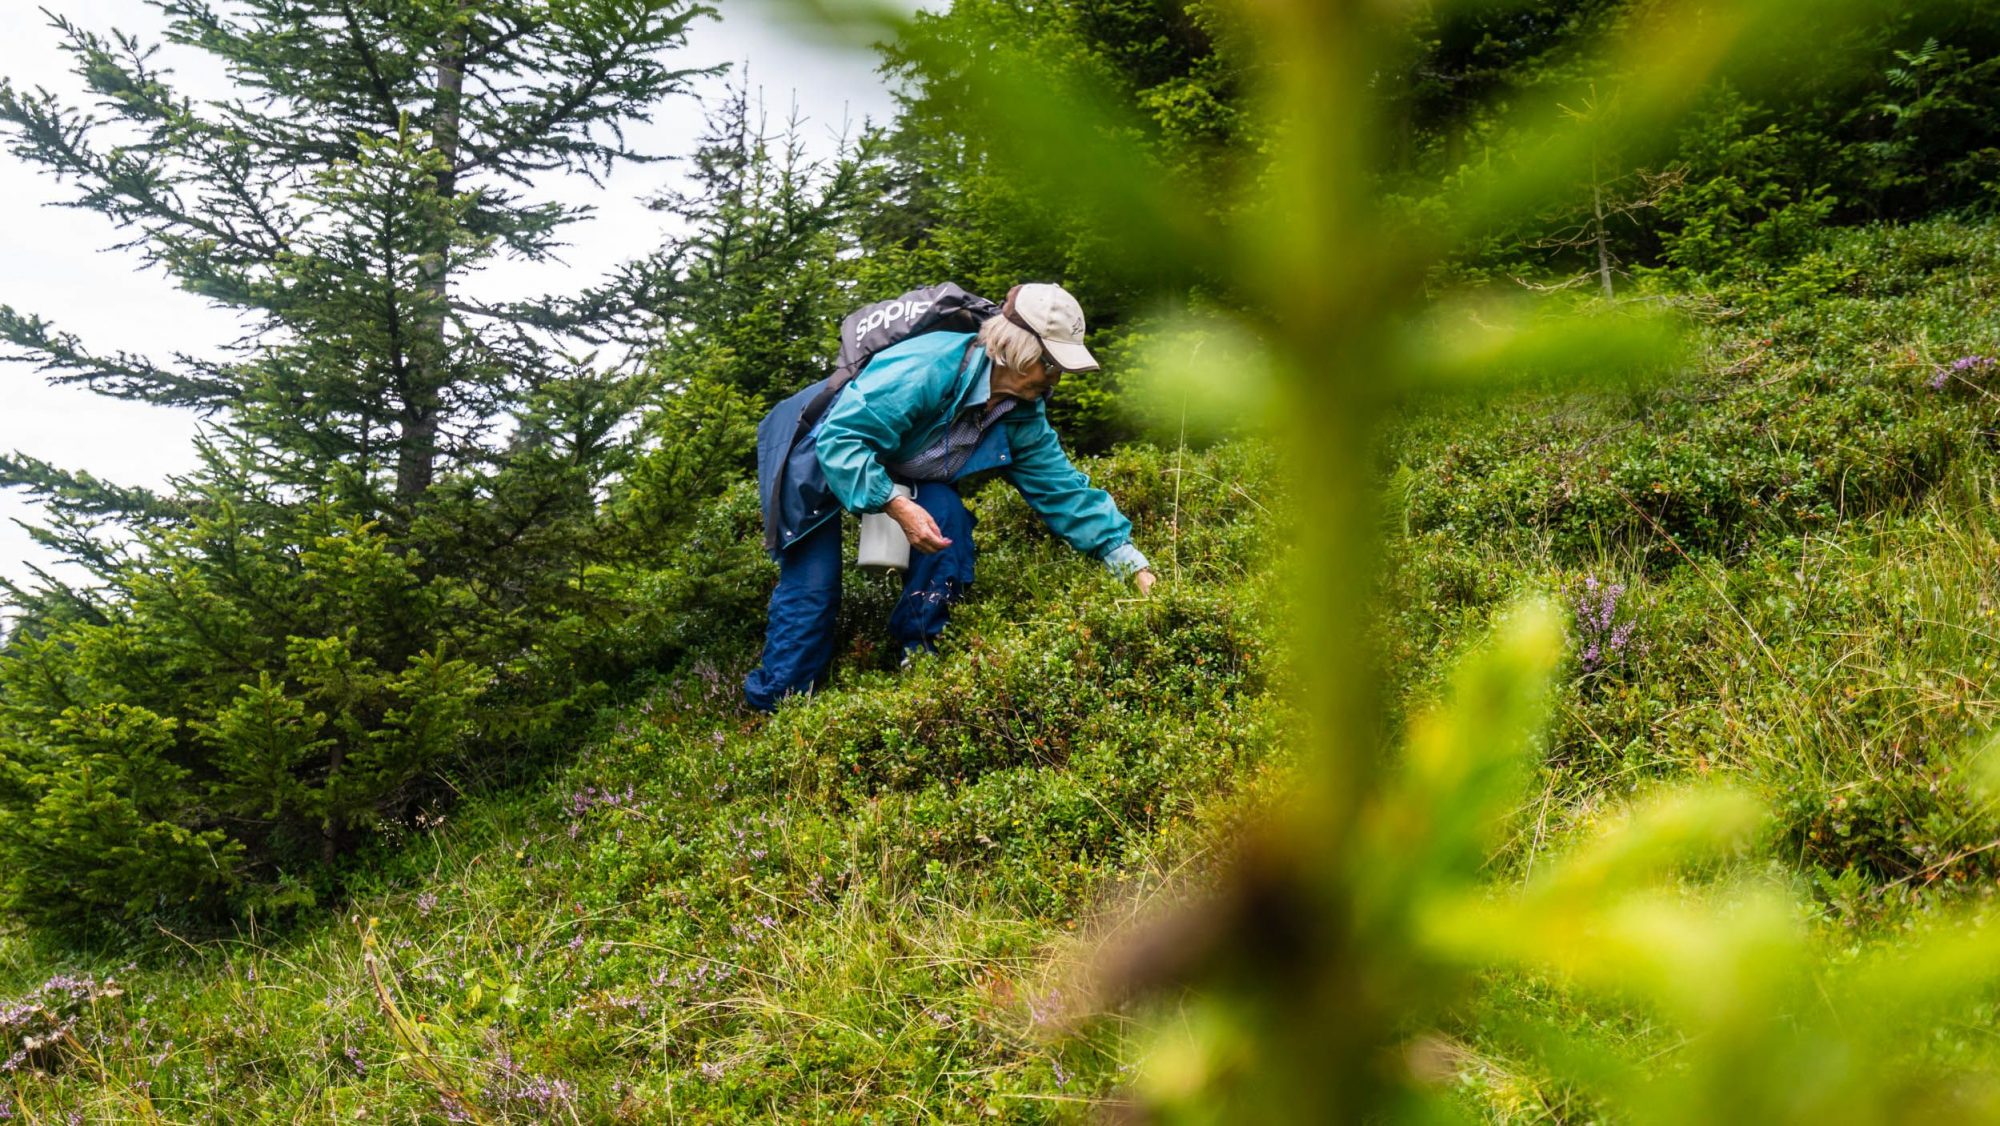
[[1779, 564]]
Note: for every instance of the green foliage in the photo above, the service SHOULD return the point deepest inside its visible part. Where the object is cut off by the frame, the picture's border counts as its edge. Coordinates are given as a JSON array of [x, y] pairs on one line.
[[91, 828], [1773, 564], [699, 594], [759, 286], [1332, 940], [691, 440], [1740, 208], [358, 581], [841, 910], [873, 898], [234, 760], [1798, 420], [1930, 130]]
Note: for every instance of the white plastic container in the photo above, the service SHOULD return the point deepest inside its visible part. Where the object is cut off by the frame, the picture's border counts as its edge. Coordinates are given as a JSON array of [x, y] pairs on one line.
[[884, 547]]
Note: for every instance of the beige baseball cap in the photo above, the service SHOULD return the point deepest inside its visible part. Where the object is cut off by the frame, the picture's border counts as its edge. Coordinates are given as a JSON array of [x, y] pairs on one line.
[[1048, 311]]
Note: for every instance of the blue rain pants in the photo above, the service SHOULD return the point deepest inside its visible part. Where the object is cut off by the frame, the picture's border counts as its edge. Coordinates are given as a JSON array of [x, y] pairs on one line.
[[798, 639]]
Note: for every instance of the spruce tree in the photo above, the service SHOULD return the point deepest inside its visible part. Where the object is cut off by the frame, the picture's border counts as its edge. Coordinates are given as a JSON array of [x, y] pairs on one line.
[[763, 269], [379, 558], [373, 154]]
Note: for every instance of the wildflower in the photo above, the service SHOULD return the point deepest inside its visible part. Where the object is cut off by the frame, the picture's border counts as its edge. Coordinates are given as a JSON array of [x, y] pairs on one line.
[[1595, 613], [1963, 368], [1050, 1008], [426, 903]]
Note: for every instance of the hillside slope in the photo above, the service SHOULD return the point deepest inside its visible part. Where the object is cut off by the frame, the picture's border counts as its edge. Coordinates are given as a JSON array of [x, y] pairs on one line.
[[1779, 565], [846, 912]]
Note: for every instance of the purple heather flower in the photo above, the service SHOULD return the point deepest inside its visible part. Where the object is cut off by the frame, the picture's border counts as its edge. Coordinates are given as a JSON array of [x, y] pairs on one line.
[[426, 903], [1049, 1009], [1963, 366], [1595, 613]]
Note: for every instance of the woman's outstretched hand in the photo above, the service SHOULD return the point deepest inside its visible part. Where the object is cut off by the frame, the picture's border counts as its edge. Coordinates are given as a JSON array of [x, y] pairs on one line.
[[1145, 579], [922, 531]]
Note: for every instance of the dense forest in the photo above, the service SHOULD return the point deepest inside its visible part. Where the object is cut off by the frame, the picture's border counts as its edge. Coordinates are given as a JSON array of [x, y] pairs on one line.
[[1541, 414]]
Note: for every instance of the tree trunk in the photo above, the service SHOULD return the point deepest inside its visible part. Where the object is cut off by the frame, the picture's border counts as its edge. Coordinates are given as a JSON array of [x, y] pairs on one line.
[[1603, 238], [422, 401]]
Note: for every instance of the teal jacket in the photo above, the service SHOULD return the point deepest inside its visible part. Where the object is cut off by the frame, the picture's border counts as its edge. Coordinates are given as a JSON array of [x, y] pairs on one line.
[[904, 400]]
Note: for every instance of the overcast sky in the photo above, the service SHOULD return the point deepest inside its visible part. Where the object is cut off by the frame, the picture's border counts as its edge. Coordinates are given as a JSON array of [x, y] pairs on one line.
[[54, 261]]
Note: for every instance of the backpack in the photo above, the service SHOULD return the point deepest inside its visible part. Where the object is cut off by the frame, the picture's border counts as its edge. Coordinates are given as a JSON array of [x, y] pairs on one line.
[[863, 333], [872, 328]]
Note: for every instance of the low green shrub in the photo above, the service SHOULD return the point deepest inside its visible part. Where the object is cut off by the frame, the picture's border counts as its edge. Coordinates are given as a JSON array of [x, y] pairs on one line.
[[173, 758]]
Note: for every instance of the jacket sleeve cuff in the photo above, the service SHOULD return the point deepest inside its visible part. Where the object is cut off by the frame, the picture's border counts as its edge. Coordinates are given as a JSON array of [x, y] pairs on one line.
[[1125, 561], [881, 490]]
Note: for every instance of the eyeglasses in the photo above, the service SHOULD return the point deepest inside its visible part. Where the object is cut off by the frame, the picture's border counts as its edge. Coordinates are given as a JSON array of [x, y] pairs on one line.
[[1050, 368]]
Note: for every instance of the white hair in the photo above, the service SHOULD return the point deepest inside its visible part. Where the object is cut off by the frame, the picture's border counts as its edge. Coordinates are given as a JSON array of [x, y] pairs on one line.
[[1010, 345]]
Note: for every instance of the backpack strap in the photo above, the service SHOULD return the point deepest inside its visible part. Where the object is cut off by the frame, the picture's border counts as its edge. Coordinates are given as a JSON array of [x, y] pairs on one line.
[[809, 417]]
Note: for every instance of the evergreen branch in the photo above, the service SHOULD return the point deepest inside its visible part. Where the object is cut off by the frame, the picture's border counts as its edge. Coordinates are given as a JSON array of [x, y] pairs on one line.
[[121, 375], [503, 156], [75, 542], [392, 113], [607, 80], [479, 53], [623, 310], [50, 598], [81, 494], [129, 185]]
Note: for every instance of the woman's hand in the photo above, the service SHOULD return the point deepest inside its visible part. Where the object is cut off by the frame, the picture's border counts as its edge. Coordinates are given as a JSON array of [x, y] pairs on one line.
[[1145, 579], [922, 531]]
